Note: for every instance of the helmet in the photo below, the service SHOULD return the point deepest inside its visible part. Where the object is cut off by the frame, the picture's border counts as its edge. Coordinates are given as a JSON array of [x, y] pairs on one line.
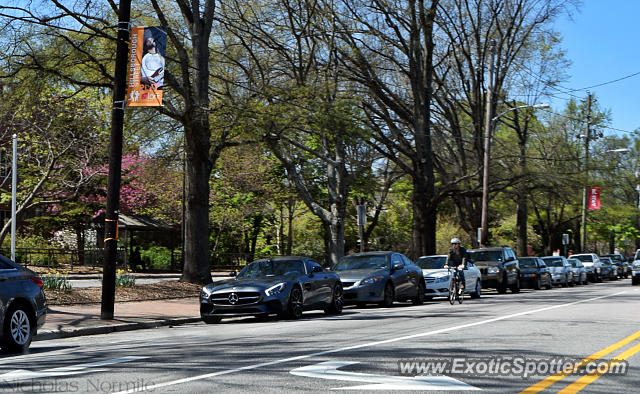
[[455, 240]]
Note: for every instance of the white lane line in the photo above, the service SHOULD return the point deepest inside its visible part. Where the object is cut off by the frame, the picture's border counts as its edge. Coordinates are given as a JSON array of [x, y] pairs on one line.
[[363, 345], [329, 370]]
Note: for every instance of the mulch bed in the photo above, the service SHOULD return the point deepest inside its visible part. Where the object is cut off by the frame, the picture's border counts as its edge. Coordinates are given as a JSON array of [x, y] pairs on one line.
[[142, 292]]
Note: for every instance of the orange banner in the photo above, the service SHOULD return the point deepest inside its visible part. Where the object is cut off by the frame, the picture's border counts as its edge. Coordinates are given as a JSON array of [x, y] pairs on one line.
[[145, 76]]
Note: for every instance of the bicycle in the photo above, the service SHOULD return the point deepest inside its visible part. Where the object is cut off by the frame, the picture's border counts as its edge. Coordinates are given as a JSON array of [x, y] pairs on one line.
[[455, 287]]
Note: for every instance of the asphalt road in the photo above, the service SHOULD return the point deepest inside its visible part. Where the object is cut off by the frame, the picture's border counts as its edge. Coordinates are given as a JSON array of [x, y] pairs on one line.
[[364, 349]]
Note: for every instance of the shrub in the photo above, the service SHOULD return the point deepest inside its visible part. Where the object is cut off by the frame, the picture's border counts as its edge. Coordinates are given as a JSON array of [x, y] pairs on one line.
[[56, 282], [157, 258]]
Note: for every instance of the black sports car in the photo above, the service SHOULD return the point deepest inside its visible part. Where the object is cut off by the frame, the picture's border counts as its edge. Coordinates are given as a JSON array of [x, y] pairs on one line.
[[286, 286]]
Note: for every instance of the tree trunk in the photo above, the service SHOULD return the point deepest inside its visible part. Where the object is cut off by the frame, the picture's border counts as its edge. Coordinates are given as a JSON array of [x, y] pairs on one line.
[[196, 262]]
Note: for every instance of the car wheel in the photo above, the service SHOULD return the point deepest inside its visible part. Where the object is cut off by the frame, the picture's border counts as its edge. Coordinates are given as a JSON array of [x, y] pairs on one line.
[[549, 285], [635, 280], [502, 287], [478, 292], [515, 288], [294, 306], [17, 330], [387, 301], [570, 283], [336, 301], [211, 319], [585, 281], [419, 298], [538, 284]]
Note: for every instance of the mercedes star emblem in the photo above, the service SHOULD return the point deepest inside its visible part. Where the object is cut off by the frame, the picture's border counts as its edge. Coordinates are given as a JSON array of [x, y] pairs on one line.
[[233, 298]]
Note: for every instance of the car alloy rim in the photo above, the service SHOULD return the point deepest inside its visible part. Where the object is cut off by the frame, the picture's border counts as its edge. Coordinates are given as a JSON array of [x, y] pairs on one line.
[[337, 297], [296, 302], [20, 327]]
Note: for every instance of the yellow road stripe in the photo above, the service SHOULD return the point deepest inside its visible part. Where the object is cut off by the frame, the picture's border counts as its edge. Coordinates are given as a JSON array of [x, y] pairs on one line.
[[543, 384], [588, 379]]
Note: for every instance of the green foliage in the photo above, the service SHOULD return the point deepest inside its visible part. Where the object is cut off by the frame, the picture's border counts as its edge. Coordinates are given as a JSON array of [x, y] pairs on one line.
[[157, 258]]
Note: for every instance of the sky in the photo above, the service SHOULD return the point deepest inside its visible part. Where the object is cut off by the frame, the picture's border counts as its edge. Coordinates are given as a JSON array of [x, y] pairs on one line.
[[603, 42]]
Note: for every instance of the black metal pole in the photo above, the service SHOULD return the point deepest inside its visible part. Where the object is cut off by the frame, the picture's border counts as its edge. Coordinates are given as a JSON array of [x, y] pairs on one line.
[[115, 164]]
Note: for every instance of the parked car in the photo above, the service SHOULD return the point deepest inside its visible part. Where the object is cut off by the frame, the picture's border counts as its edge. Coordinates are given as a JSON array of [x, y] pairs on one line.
[[579, 271], [286, 286], [635, 273], [609, 270], [535, 273], [592, 265], [437, 278], [23, 306], [624, 268], [561, 272], [380, 277], [499, 268]]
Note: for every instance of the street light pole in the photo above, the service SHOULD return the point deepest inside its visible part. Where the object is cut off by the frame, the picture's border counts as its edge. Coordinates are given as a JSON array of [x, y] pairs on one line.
[[487, 147], [587, 137], [484, 232]]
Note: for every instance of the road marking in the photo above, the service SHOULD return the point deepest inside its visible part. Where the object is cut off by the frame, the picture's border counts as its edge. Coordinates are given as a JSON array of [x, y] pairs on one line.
[[22, 374], [592, 377], [329, 370], [363, 345], [543, 384]]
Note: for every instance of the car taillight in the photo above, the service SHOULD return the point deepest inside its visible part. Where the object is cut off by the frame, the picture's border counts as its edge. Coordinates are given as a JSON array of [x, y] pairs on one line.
[[37, 281]]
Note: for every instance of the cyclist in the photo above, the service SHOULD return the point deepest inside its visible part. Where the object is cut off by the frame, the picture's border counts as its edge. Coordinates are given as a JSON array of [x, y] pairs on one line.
[[457, 258]]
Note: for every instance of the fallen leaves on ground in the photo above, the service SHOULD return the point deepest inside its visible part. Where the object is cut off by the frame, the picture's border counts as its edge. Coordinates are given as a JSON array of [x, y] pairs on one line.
[[142, 292]]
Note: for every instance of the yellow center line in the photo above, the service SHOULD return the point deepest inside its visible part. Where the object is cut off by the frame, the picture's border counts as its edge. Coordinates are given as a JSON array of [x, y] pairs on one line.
[[543, 384], [588, 379]]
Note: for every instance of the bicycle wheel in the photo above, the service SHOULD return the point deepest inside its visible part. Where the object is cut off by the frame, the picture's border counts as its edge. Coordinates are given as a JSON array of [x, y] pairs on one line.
[[459, 293], [453, 290]]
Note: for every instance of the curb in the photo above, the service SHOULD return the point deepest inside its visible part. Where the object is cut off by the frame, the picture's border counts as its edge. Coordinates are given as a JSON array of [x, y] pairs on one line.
[[109, 328]]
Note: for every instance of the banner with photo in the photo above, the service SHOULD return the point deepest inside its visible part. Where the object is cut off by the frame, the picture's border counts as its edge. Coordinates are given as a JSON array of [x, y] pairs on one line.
[[145, 75]]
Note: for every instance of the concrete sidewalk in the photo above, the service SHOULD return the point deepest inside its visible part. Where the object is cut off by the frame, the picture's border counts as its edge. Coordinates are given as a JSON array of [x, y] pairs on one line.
[[75, 320]]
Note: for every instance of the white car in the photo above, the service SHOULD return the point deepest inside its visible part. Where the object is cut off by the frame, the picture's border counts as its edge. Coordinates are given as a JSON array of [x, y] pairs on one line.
[[635, 273], [437, 278]]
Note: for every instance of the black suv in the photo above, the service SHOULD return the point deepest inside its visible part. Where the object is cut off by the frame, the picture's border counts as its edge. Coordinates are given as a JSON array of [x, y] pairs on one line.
[[499, 268]]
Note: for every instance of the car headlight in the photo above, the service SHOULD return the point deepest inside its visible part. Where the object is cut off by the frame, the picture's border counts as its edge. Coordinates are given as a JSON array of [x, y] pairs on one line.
[[442, 279], [371, 280], [493, 270], [276, 289], [204, 293]]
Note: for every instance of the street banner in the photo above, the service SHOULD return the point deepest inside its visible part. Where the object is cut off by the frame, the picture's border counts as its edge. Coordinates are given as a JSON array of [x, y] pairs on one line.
[[145, 74], [594, 198]]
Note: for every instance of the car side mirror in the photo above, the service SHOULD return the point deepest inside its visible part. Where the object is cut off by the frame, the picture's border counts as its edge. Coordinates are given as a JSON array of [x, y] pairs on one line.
[[232, 274], [397, 266], [317, 269]]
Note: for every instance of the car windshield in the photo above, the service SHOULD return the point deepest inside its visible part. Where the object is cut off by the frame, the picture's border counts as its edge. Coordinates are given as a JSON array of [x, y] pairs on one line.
[[431, 262], [573, 262], [375, 262], [585, 258], [551, 262], [527, 263], [269, 268], [616, 258], [486, 255]]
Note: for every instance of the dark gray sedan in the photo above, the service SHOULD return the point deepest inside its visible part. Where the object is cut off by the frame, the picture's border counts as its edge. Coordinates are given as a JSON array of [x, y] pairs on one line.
[[285, 286], [23, 306], [380, 277]]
